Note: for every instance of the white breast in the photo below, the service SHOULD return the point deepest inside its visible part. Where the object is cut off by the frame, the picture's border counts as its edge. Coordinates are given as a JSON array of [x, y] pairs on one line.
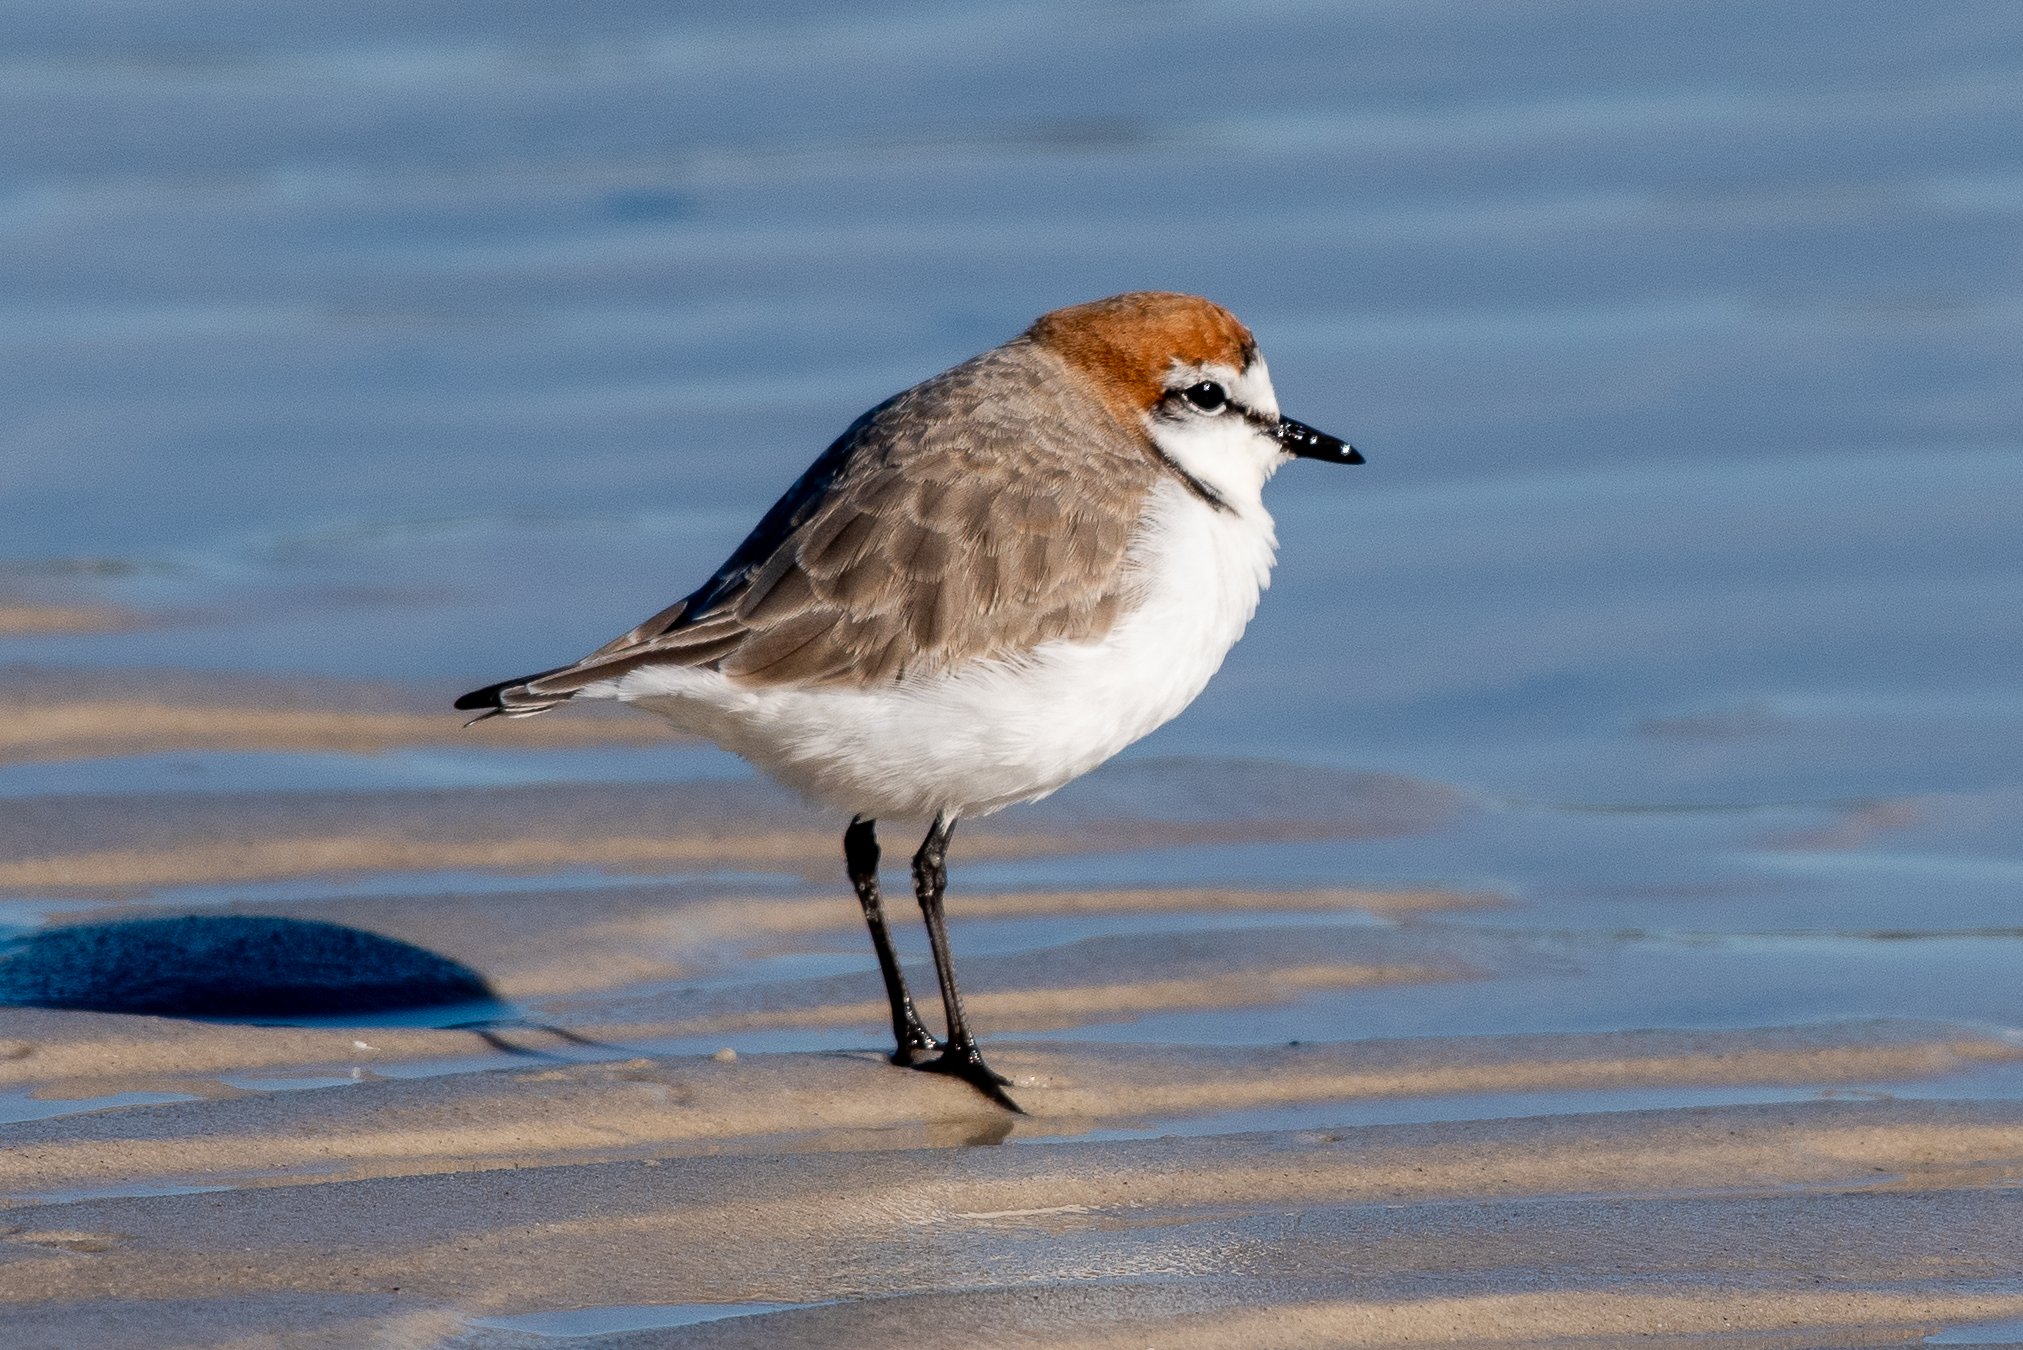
[[997, 733]]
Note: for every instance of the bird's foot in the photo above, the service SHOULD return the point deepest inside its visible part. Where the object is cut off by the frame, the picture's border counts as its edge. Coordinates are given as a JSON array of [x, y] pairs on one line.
[[963, 1060], [917, 1049]]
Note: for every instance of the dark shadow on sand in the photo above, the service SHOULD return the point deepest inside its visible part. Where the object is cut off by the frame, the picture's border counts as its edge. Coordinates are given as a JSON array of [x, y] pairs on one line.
[[242, 968]]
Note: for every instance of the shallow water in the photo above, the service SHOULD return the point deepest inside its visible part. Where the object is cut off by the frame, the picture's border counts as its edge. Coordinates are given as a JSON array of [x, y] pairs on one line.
[[636, 1317], [424, 346]]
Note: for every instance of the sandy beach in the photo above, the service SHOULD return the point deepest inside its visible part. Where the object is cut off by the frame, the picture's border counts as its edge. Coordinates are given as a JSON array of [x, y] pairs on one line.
[[619, 1146]]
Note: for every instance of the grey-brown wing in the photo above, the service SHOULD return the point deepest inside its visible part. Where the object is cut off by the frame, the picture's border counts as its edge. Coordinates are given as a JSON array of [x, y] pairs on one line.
[[961, 521]]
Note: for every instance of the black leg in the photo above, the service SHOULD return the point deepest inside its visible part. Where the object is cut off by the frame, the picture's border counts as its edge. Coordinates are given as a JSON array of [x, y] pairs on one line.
[[960, 1058], [860, 856]]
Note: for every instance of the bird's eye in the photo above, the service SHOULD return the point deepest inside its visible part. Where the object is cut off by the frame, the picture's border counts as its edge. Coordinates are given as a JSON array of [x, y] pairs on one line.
[[1207, 396]]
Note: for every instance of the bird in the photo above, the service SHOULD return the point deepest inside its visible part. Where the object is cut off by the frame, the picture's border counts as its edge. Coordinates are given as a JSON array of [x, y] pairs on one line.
[[988, 585]]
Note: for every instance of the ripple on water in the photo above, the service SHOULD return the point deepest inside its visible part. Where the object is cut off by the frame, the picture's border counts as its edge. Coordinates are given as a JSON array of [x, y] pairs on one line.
[[604, 1321], [20, 1106], [2008, 1331]]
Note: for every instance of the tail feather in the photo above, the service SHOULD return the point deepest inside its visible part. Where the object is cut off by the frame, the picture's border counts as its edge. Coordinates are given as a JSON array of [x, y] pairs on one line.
[[508, 698], [536, 693]]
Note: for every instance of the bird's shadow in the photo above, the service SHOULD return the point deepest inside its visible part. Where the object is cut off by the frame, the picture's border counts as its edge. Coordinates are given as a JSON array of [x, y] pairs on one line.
[[242, 968], [261, 970]]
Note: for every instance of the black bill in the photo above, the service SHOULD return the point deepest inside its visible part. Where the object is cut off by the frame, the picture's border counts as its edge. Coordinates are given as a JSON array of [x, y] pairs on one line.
[[1298, 438]]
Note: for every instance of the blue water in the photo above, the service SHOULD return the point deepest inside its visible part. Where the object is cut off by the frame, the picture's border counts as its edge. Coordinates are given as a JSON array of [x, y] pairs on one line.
[[605, 1321], [2008, 1331]]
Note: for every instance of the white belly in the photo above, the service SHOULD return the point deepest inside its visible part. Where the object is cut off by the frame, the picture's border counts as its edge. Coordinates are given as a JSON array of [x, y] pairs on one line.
[[998, 733]]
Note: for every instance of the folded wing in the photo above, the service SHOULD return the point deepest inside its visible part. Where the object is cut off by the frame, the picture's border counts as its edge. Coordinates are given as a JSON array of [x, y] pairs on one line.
[[961, 521]]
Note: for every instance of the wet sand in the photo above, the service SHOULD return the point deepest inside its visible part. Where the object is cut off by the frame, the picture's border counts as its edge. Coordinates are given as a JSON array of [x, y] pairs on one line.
[[109, 726], [642, 1107], [1781, 1225], [612, 1152], [17, 620]]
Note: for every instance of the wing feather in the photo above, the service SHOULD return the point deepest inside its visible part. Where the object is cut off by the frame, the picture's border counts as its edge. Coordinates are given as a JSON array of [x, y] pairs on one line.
[[971, 518]]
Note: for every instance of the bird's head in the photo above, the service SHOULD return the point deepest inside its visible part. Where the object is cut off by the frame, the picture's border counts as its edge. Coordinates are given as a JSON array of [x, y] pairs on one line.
[[1187, 374]]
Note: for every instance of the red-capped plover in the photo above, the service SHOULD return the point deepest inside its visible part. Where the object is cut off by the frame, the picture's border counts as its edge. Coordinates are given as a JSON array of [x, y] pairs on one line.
[[986, 587]]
